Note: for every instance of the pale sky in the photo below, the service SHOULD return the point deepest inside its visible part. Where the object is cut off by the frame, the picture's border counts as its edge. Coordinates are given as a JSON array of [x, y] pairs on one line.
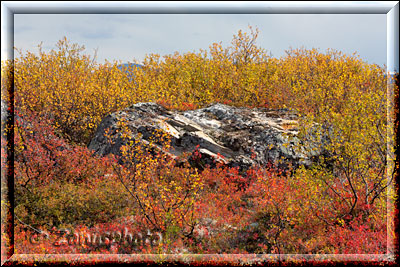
[[129, 37]]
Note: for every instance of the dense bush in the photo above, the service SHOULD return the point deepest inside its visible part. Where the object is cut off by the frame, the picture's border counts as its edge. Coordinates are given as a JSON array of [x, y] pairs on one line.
[[78, 92], [336, 206], [57, 183]]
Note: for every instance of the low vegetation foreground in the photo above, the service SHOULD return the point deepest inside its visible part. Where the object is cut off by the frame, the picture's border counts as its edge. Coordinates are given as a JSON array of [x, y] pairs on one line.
[[226, 150]]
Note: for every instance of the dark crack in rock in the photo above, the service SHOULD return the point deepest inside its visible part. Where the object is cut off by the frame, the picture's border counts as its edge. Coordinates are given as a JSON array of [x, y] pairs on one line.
[[242, 136]]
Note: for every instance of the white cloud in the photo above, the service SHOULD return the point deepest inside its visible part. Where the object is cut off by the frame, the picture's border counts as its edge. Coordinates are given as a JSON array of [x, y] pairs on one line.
[[124, 37]]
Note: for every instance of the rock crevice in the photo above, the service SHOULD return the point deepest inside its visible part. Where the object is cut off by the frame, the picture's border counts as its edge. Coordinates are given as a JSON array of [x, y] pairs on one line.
[[242, 136]]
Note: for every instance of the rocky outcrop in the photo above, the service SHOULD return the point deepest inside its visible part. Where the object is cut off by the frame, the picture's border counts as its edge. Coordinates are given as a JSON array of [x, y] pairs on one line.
[[4, 113], [236, 136]]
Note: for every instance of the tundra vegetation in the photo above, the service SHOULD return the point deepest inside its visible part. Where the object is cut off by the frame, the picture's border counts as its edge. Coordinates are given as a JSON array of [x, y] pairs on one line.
[[338, 205]]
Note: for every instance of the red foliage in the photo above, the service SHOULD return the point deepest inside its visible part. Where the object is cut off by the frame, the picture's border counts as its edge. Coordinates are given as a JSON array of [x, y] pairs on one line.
[[287, 220]]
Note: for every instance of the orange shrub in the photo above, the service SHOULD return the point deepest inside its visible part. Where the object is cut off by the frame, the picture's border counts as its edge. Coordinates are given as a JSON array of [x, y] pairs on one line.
[[62, 96]]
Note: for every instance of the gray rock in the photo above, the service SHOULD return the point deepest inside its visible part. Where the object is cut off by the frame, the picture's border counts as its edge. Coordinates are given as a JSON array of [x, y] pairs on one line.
[[239, 137], [4, 114]]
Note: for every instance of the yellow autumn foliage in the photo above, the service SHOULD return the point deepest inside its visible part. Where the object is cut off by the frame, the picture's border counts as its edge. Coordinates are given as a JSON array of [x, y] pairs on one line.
[[77, 92], [342, 96]]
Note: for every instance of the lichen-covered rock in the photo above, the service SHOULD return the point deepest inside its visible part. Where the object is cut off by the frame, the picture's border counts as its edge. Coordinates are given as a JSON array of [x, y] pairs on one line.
[[4, 114], [236, 136]]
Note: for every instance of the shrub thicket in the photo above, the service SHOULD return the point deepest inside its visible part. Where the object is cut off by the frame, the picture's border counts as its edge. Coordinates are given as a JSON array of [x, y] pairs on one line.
[[336, 206]]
